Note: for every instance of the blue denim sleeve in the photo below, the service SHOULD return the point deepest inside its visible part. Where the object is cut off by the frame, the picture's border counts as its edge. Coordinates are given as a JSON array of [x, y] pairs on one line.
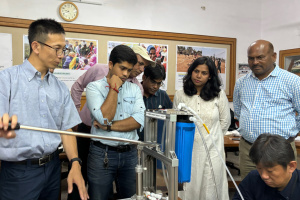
[[139, 108], [70, 114], [95, 98]]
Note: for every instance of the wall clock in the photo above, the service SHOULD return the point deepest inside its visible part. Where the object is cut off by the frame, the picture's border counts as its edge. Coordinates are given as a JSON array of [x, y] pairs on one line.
[[68, 11]]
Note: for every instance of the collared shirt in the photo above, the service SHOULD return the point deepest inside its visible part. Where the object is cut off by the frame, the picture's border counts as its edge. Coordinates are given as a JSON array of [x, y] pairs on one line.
[[136, 81], [268, 105], [95, 73], [130, 104], [160, 100], [254, 188], [40, 103]]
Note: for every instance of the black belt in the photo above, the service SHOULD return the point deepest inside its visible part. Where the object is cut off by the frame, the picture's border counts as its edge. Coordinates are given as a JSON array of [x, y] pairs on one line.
[[289, 140], [247, 141], [119, 149], [38, 161]]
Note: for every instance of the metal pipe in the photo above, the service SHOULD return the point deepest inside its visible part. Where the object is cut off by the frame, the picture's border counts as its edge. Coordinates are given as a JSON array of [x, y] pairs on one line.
[[87, 135], [139, 175]]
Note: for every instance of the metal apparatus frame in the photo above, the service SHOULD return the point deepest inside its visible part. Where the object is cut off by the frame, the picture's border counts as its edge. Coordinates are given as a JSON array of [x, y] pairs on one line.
[[168, 157], [148, 151]]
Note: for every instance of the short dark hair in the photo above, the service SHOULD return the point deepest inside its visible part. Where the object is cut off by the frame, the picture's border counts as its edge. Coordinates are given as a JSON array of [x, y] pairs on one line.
[[157, 72], [122, 53], [271, 150], [211, 89], [39, 30]]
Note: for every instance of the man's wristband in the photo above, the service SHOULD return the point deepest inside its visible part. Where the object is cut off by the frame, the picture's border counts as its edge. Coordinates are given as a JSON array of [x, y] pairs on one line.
[[75, 159], [115, 89]]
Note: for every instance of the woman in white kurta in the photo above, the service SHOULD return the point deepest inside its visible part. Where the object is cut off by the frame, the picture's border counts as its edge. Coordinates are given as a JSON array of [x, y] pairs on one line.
[[202, 93]]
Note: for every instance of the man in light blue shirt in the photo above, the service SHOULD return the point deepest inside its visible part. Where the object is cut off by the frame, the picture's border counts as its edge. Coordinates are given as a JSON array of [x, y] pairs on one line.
[[265, 101], [117, 110], [30, 165]]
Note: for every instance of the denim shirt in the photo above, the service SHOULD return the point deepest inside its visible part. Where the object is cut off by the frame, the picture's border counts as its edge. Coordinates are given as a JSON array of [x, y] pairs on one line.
[[40, 103], [130, 104]]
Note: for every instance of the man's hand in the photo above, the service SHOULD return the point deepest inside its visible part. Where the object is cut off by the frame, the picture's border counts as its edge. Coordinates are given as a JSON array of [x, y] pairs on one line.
[[4, 121], [76, 177], [98, 125], [115, 82]]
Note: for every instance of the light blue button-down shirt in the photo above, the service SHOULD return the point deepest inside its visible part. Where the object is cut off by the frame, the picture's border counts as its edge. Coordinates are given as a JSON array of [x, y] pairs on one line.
[[40, 103], [130, 104], [268, 105]]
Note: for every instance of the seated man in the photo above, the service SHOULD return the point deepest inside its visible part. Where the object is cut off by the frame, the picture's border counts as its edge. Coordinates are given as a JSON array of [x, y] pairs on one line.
[[276, 176], [154, 98], [119, 108]]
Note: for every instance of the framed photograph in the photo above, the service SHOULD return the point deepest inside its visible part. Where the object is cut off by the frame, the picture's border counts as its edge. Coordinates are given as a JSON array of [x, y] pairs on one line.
[[173, 50], [243, 69], [290, 60]]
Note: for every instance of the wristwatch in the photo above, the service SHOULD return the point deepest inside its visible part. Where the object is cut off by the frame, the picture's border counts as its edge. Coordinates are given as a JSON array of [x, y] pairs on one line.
[[108, 127], [75, 159]]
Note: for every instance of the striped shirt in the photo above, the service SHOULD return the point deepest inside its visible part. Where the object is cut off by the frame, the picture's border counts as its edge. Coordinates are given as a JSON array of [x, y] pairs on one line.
[[268, 105], [130, 104]]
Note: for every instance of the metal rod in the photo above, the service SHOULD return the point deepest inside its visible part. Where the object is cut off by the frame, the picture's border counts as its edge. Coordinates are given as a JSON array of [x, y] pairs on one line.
[[87, 135]]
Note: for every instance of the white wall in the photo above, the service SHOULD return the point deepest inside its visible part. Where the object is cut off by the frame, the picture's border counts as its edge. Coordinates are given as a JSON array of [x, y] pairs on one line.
[[239, 19], [281, 23]]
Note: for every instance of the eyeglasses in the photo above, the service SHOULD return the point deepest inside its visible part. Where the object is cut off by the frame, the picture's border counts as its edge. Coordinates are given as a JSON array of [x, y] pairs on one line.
[[153, 82], [59, 52]]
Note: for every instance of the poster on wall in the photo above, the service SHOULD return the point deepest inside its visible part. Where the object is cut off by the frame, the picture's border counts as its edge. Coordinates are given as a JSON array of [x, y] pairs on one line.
[[186, 56], [80, 55], [243, 70], [5, 50], [157, 52]]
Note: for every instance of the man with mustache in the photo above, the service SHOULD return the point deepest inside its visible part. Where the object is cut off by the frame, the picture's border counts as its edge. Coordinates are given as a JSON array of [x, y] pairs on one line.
[[265, 101], [117, 110], [276, 175], [154, 98]]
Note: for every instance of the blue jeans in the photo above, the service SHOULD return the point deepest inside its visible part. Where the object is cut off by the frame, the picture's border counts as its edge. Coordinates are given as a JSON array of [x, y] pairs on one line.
[[121, 169], [24, 182]]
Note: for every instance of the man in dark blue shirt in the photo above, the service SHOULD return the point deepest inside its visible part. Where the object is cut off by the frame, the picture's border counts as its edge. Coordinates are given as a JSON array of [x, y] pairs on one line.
[[276, 176], [154, 98]]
